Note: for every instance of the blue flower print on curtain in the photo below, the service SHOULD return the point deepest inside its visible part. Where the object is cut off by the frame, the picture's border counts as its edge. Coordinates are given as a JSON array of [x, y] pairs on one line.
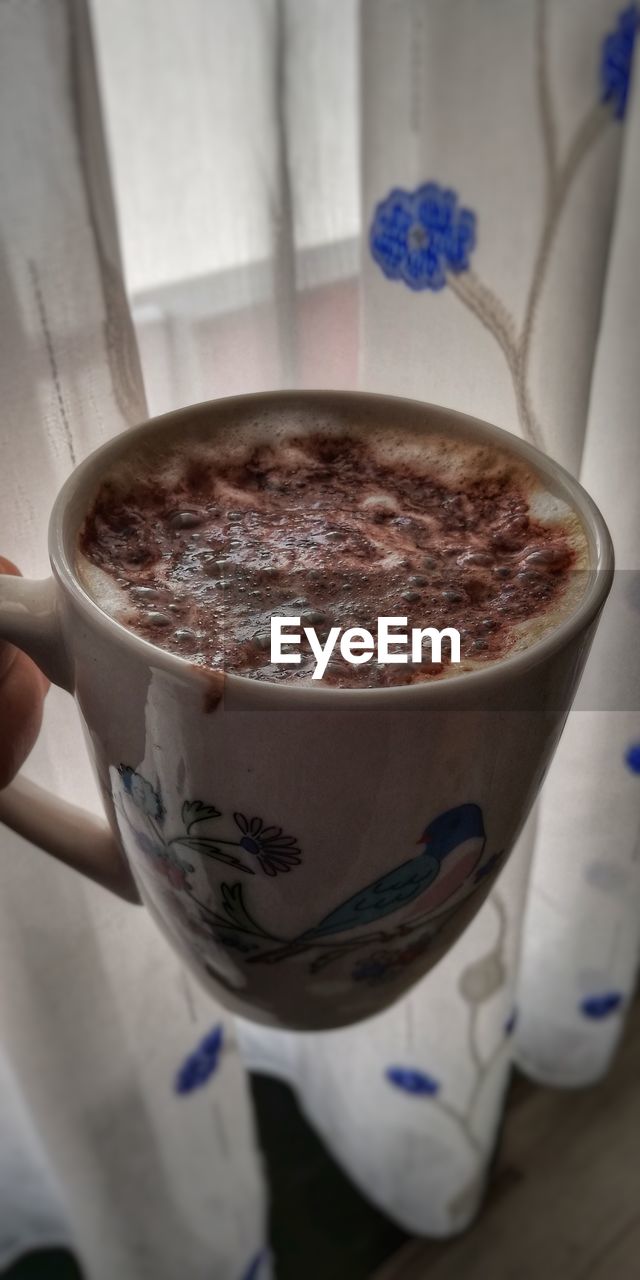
[[601, 1005], [425, 238], [200, 1065], [256, 1268], [617, 58], [411, 1080], [420, 236]]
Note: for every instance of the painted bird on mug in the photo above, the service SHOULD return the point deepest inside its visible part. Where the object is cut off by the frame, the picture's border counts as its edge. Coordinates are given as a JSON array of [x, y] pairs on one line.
[[453, 846]]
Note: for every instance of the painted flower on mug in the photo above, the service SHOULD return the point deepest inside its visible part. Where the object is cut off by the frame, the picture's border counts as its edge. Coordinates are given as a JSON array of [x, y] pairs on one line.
[[387, 964], [617, 59], [164, 860], [274, 851], [511, 1022], [375, 968], [145, 797], [420, 236]]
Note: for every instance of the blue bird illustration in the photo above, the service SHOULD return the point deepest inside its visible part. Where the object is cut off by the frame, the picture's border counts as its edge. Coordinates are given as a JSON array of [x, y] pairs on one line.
[[446, 834]]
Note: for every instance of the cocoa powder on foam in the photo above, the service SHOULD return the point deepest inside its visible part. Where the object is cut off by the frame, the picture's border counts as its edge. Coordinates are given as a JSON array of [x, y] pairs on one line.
[[200, 550]]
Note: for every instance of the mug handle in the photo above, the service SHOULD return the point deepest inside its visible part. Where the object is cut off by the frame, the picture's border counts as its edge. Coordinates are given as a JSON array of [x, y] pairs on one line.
[[29, 619]]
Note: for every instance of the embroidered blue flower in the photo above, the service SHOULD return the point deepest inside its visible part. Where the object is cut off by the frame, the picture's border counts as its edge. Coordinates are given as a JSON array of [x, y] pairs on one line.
[[255, 1266], [412, 1081], [275, 852], [602, 1005], [144, 796], [616, 60], [202, 1063], [511, 1023], [632, 757], [418, 236]]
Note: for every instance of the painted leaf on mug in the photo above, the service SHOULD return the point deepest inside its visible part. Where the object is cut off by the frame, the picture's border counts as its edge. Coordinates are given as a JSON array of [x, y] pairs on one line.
[[195, 811], [144, 795]]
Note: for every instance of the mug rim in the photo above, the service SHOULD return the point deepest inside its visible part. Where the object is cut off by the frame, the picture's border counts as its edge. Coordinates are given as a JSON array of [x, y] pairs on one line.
[[439, 417]]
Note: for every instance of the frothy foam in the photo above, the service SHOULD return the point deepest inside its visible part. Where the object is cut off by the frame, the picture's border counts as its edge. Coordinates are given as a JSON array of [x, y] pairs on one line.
[[335, 522]]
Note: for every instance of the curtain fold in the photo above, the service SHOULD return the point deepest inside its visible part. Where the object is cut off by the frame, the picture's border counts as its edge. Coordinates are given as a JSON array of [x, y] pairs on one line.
[[97, 1017], [582, 929]]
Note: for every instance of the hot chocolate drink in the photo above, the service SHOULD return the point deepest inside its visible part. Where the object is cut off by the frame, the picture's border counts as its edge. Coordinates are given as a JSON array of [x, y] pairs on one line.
[[198, 543]]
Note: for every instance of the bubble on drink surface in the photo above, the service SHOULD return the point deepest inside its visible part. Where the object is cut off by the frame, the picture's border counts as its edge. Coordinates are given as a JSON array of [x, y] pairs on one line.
[[185, 520], [411, 596], [476, 559], [546, 558], [215, 566], [509, 536], [144, 594], [379, 504], [313, 618], [154, 618], [452, 596], [185, 635]]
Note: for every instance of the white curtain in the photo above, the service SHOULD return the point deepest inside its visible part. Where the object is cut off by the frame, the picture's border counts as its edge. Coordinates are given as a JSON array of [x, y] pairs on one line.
[[254, 147]]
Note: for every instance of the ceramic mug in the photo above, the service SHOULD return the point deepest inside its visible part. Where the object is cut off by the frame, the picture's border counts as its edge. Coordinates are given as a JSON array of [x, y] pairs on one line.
[[311, 851]]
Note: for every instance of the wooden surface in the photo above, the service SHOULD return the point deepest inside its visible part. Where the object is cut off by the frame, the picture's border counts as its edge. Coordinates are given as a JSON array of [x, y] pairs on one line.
[[564, 1202]]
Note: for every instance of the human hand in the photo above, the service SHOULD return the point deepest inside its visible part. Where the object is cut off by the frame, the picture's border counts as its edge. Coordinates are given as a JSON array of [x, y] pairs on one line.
[[22, 692]]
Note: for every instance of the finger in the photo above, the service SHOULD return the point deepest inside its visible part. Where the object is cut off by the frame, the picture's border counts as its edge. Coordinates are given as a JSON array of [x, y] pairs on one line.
[[21, 706], [22, 691], [8, 652]]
